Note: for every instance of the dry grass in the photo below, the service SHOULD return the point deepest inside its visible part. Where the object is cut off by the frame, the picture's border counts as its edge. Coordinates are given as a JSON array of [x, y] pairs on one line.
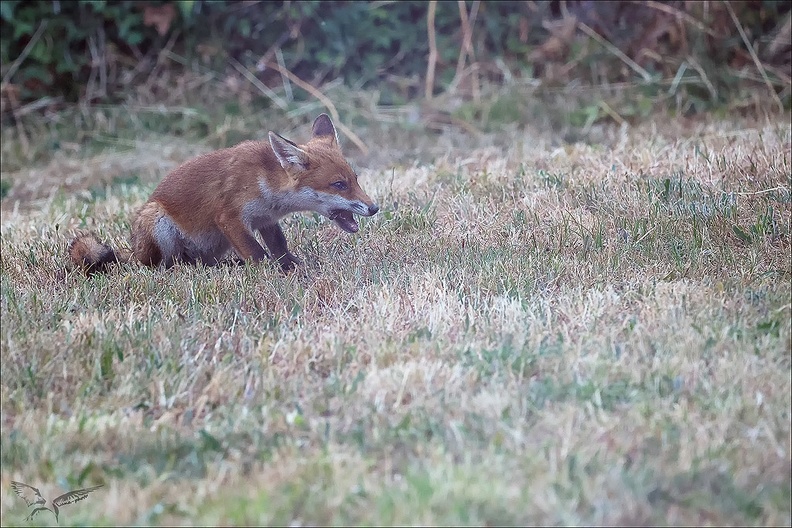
[[531, 332]]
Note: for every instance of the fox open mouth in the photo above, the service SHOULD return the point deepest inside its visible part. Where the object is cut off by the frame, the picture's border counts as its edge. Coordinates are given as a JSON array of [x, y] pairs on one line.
[[344, 220]]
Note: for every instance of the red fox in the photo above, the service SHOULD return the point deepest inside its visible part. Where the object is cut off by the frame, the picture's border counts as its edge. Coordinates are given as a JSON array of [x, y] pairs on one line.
[[216, 201]]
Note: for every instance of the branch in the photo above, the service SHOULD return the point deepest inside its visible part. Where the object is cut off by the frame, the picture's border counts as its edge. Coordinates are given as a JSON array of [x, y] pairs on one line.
[[467, 45], [25, 52], [430, 67]]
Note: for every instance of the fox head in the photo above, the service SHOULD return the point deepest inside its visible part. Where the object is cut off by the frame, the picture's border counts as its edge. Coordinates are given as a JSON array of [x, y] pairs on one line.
[[324, 181]]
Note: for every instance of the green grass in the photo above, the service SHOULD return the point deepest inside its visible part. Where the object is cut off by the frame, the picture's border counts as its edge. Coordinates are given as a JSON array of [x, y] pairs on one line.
[[529, 332]]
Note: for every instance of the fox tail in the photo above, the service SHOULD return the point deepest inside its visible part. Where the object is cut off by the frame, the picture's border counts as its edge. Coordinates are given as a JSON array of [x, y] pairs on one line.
[[92, 256]]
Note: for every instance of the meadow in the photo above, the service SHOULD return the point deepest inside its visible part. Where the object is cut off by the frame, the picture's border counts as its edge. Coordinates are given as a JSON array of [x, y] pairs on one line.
[[535, 329]]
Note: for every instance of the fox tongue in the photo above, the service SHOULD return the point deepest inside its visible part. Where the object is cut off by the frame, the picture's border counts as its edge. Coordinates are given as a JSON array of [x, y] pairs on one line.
[[345, 221]]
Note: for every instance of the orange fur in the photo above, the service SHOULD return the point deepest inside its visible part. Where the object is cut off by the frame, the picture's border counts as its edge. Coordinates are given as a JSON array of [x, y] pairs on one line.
[[215, 202]]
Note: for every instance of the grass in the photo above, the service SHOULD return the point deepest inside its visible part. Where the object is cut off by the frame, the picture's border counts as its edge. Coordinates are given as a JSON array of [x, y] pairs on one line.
[[530, 332]]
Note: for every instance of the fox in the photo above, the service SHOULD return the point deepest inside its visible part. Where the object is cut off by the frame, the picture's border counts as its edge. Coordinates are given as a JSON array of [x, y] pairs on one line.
[[214, 203]]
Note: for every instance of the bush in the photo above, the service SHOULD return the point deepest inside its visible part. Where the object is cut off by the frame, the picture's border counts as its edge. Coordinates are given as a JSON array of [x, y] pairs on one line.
[[98, 50]]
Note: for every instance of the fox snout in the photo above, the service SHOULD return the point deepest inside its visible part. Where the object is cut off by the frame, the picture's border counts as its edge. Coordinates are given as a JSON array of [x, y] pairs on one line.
[[344, 218]]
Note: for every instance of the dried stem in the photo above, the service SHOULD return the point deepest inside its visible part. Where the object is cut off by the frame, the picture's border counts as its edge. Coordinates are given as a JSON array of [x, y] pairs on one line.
[[432, 62], [755, 58], [286, 85], [671, 10], [467, 47], [616, 51], [25, 52], [258, 84]]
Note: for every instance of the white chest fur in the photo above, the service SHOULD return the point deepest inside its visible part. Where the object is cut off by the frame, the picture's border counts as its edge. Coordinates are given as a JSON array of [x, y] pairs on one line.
[[271, 205]]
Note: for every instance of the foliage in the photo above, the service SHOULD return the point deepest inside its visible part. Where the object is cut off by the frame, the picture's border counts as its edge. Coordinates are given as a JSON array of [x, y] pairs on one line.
[[75, 38], [98, 50]]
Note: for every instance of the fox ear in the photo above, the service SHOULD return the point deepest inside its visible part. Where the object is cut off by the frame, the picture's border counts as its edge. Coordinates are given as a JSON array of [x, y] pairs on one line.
[[323, 127], [289, 155]]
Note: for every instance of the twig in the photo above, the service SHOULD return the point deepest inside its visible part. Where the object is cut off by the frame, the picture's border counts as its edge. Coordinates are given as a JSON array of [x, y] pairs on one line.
[[97, 47], [467, 46], [754, 57], [472, 52], [400, 395], [469, 128], [504, 70], [611, 112], [633, 244], [783, 77], [463, 49], [155, 73], [35, 105], [430, 67], [757, 193], [616, 51], [11, 94], [711, 87], [325, 101], [436, 119], [752, 76], [381, 3], [677, 78], [286, 35], [25, 52], [102, 40], [258, 84], [286, 85], [92, 77], [782, 37], [676, 12]]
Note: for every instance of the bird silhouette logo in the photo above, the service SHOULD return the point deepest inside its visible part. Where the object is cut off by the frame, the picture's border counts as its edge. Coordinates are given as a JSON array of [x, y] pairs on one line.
[[32, 496]]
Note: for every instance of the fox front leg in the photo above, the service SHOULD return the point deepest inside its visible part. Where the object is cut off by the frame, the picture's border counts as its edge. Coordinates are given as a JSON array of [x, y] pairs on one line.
[[244, 243], [276, 242]]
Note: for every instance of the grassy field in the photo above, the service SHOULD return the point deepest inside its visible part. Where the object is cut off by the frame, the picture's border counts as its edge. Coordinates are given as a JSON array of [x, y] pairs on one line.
[[530, 332]]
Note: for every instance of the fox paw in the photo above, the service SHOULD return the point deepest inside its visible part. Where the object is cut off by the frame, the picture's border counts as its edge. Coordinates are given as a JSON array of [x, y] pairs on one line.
[[289, 262]]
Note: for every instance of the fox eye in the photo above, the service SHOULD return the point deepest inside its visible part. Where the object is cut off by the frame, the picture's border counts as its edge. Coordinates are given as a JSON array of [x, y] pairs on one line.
[[340, 185]]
